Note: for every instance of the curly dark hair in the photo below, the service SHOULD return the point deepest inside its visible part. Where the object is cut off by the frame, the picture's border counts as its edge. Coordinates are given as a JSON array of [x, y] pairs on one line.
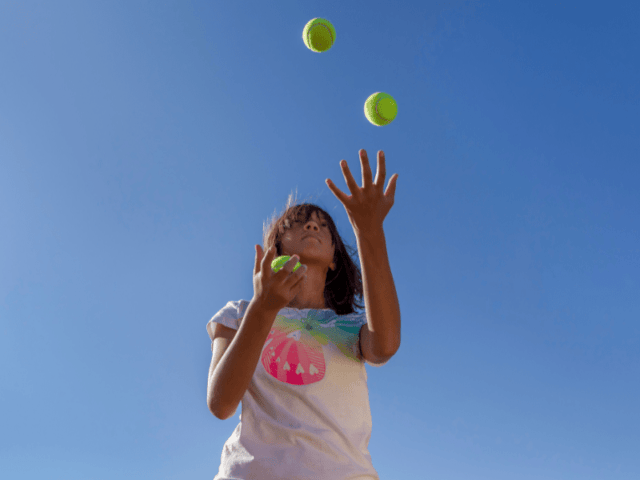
[[344, 284]]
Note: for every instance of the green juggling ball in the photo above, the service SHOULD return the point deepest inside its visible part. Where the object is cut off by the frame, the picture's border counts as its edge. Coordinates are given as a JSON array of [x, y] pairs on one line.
[[279, 262], [380, 109], [319, 35]]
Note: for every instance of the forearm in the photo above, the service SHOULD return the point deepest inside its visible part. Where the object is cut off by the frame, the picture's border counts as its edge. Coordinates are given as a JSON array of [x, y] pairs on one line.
[[232, 376], [380, 297]]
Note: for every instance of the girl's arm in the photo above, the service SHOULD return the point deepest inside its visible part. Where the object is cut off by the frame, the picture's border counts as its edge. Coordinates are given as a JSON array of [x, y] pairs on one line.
[[230, 378], [367, 207], [381, 340]]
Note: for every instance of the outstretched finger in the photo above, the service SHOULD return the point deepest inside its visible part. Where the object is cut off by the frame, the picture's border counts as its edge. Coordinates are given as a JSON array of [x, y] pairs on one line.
[[382, 170], [336, 191], [391, 187], [367, 176], [348, 177]]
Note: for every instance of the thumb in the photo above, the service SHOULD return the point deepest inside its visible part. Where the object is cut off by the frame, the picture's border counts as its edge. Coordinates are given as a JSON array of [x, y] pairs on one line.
[[259, 255]]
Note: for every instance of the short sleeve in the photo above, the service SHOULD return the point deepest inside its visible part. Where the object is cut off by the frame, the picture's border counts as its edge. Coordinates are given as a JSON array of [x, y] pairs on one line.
[[360, 318], [229, 316]]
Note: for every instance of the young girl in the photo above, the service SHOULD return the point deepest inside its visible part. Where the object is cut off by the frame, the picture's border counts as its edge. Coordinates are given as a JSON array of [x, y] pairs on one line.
[[294, 355]]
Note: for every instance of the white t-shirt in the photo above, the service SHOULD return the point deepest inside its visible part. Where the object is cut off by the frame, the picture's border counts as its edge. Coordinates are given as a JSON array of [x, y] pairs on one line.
[[306, 413]]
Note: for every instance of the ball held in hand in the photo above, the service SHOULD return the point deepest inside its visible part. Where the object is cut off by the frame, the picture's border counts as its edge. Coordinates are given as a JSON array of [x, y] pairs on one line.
[[380, 109], [279, 262], [319, 35]]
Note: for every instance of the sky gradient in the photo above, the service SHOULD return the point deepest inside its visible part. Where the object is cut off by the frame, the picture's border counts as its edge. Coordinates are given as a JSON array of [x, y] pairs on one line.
[[144, 144]]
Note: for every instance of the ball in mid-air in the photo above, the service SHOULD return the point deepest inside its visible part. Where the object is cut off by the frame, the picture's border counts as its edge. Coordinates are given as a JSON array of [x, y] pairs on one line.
[[380, 109], [279, 262], [319, 35]]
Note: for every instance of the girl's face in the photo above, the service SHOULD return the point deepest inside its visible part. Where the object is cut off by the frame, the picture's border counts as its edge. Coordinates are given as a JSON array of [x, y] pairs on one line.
[[311, 241]]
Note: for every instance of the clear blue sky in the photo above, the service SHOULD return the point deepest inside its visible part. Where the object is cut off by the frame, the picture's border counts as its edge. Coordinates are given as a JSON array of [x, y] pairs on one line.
[[143, 144]]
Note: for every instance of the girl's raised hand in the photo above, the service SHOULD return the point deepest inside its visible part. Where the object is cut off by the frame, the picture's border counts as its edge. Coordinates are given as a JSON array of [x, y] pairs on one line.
[[367, 206], [274, 291]]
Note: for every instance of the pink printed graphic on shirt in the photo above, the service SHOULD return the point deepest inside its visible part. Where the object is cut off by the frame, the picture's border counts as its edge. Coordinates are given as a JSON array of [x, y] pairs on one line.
[[293, 350]]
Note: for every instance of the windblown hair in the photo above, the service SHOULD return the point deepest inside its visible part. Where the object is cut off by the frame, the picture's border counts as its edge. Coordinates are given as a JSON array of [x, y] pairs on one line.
[[344, 284]]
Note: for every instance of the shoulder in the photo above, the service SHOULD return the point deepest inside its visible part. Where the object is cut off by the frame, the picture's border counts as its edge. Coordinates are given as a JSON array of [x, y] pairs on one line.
[[228, 316]]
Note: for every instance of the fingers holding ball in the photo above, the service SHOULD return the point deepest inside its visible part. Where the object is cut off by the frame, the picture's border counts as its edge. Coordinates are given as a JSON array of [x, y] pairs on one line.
[[279, 262]]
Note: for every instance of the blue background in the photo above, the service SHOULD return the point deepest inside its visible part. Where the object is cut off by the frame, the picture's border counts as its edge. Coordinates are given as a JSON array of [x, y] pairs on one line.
[[143, 145]]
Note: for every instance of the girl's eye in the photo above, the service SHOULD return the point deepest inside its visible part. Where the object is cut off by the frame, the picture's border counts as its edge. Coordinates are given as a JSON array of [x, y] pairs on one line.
[[324, 224]]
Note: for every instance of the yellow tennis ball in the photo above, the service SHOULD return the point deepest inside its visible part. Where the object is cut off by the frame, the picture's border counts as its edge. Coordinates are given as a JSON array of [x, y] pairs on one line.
[[380, 109], [319, 35], [279, 262]]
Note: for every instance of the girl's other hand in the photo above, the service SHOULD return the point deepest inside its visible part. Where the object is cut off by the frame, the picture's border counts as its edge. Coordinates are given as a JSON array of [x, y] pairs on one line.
[[274, 291]]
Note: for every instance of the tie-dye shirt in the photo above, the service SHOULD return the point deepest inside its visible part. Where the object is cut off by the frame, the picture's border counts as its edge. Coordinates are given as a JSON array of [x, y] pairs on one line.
[[306, 412]]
